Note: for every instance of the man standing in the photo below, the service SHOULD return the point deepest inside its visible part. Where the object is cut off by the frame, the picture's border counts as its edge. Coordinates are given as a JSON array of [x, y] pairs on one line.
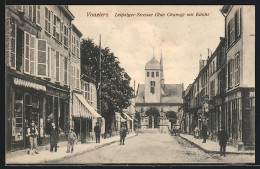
[[204, 132], [54, 133], [71, 139], [222, 137], [122, 135], [97, 132], [32, 133]]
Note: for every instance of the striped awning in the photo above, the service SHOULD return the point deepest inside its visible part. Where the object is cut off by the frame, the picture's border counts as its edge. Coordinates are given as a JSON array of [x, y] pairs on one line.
[[81, 108]]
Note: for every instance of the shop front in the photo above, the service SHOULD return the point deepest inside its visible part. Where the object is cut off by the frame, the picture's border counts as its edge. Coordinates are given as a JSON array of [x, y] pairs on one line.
[[57, 110], [25, 98], [84, 118]]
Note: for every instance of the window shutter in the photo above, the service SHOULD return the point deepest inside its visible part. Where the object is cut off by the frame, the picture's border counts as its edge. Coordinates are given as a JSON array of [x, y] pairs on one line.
[[38, 14], [57, 72], [41, 58], [32, 55], [61, 68], [12, 43], [49, 61], [26, 52]]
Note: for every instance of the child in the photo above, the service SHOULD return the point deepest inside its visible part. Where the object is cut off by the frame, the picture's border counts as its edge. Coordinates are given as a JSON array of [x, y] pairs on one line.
[[71, 139]]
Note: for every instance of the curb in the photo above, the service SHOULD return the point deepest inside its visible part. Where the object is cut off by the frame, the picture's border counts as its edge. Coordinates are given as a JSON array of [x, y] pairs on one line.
[[216, 152], [84, 151]]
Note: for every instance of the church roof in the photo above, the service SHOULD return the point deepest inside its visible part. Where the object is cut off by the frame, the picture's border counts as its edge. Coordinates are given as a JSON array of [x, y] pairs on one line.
[[153, 64], [171, 93]]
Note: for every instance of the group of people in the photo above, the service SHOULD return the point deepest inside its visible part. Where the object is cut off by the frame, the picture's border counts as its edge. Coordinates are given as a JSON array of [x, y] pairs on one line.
[[32, 134], [222, 137]]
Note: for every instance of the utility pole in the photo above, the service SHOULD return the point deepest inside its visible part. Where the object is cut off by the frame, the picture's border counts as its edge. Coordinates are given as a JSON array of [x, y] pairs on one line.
[[100, 75]]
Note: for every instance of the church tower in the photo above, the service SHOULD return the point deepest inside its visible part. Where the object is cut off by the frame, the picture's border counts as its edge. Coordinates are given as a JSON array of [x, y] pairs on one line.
[[152, 81]]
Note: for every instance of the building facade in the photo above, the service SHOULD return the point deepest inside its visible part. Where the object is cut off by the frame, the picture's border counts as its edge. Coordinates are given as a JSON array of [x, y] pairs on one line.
[[154, 98], [227, 92], [240, 73], [37, 85]]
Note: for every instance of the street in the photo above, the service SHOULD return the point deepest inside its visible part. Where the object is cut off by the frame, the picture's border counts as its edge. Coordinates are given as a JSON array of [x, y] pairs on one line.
[[154, 148]]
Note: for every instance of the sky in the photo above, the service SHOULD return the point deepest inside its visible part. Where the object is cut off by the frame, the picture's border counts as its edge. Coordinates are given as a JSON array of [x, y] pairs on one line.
[[180, 38]]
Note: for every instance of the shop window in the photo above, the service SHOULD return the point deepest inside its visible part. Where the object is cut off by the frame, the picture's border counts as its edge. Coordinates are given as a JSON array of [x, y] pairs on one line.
[[17, 122]]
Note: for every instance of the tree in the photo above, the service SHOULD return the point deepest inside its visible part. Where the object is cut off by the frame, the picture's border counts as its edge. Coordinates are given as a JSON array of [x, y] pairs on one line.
[[152, 112], [172, 116], [115, 88]]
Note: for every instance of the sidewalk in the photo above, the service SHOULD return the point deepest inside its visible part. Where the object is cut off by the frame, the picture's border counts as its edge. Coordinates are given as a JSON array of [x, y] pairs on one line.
[[51, 157], [213, 147]]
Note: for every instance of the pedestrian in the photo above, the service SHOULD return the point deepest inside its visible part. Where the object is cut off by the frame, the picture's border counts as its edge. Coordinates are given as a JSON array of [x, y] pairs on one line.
[[204, 132], [97, 132], [222, 137], [122, 135], [71, 139], [54, 134], [32, 133]]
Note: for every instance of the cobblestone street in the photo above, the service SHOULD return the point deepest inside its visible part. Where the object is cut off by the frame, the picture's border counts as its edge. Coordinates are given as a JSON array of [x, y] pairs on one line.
[[154, 148]]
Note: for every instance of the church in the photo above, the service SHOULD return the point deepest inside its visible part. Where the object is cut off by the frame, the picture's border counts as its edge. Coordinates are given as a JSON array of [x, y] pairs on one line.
[[158, 103]]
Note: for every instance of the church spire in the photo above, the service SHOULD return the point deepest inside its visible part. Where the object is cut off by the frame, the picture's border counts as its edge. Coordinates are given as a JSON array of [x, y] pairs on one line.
[[161, 65]]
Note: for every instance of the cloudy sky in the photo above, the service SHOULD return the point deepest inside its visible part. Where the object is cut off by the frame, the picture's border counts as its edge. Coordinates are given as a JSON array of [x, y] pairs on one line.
[[131, 39]]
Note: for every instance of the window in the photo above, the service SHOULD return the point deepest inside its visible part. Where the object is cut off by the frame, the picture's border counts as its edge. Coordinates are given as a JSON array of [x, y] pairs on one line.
[[65, 70], [152, 84], [230, 73], [42, 57], [56, 28], [157, 74], [237, 69], [213, 69], [152, 74], [57, 66], [148, 73], [12, 44], [34, 13], [26, 52], [66, 34], [47, 20], [73, 44], [61, 32], [78, 54]]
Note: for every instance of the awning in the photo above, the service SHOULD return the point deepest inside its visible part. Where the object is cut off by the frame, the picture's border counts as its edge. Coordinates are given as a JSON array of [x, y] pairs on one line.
[[81, 108], [119, 117], [128, 117]]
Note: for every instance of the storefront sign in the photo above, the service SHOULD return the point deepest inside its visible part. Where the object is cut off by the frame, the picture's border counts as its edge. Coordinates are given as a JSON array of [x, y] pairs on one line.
[[57, 92], [25, 83]]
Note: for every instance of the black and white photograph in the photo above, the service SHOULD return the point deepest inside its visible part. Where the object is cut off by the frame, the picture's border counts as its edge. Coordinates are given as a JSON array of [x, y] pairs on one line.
[[129, 84]]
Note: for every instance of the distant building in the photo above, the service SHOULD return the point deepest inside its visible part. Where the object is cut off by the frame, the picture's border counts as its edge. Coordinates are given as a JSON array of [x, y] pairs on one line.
[[154, 98]]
